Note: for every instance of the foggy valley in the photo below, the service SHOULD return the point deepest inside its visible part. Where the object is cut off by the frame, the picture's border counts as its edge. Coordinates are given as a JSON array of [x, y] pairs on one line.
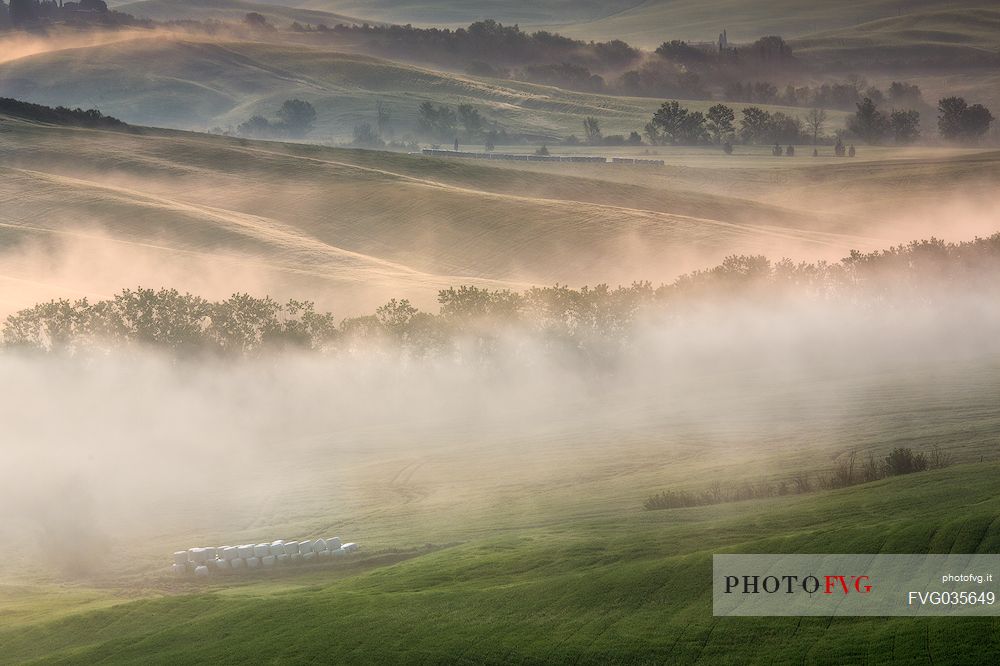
[[539, 306]]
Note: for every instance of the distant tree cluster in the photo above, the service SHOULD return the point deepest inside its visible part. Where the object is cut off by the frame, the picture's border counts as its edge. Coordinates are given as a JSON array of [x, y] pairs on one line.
[[241, 325], [464, 122], [59, 115], [595, 323], [874, 127], [489, 41], [957, 121], [844, 95], [295, 120], [674, 124], [960, 121]]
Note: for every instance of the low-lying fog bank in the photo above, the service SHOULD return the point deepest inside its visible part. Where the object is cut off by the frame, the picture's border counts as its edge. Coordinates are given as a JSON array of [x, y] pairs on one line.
[[112, 442]]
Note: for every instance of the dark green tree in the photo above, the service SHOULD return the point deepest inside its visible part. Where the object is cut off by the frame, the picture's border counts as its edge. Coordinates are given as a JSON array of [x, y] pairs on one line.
[[868, 122], [592, 130], [755, 126], [905, 125], [297, 117], [958, 121], [720, 122]]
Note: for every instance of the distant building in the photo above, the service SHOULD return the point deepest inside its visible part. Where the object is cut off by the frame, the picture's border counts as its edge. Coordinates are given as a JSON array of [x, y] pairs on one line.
[[723, 41]]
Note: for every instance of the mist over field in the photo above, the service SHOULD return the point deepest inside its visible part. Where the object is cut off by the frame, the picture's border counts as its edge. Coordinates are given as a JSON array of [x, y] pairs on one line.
[[524, 310], [149, 446]]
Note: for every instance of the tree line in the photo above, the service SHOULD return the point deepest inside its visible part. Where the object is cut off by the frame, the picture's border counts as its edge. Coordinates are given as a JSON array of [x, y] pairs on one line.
[[674, 124], [838, 95], [595, 323], [59, 115]]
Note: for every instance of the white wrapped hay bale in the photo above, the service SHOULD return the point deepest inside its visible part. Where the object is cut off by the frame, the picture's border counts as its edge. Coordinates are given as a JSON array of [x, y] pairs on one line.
[[319, 545], [261, 550], [305, 546], [253, 562], [291, 547], [340, 552], [179, 569], [349, 547], [267, 561], [246, 551], [230, 552], [295, 558], [197, 555], [211, 553], [221, 565], [282, 559], [308, 557], [324, 554], [201, 571], [333, 543], [181, 557], [237, 563], [277, 549]]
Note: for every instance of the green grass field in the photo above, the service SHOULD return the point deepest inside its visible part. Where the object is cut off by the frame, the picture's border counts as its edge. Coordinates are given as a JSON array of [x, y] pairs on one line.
[[232, 11], [520, 538], [569, 571]]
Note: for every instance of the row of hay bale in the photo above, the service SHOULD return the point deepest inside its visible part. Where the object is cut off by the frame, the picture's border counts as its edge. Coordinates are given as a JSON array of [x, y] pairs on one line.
[[436, 152], [227, 559], [636, 161]]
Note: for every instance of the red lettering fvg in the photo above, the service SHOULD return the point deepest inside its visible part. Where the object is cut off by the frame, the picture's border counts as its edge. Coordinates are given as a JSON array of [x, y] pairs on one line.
[[847, 584]]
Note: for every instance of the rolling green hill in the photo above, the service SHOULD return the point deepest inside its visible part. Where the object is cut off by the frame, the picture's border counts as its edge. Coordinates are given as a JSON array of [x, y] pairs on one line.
[[611, 585], [231, 11], [508, 11], [200, 84], [367, 225], [519, 537], [650, 22], [969, 34], [655, 21]]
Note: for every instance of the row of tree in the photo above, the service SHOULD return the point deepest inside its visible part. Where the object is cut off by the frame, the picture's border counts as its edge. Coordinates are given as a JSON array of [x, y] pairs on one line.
[[957, 121], [677, 125], [843, 95], [59, 115], [595, 322]]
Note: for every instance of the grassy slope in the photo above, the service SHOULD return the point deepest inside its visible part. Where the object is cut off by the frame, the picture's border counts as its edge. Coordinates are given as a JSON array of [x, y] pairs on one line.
[[462, 13], [556, 561], [612, 586], [229, 10], [654, 21], [971, 32], [332, 221], [167, 82]]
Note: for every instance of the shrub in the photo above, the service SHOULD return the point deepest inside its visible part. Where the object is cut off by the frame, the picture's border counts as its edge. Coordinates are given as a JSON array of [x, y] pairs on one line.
[[904, 461]]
